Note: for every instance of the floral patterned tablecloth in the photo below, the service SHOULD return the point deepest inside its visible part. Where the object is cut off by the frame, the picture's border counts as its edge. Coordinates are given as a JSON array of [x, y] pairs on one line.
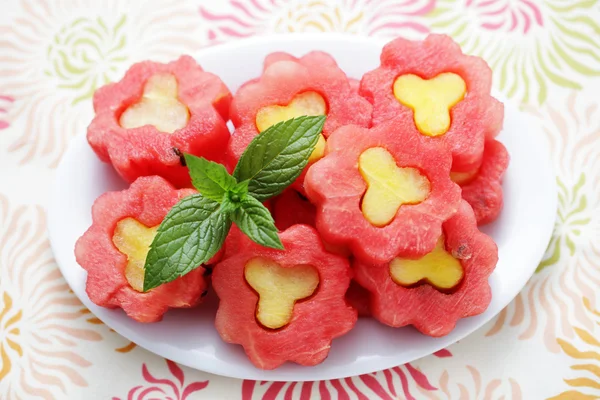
[[55, 53]]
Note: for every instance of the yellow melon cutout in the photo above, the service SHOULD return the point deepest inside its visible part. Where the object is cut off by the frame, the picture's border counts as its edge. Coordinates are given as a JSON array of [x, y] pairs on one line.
[[437, 268], [463, 178], [159, 106], [133, 239], [306, 103], [430, 99], [388, 186], [279, 288]]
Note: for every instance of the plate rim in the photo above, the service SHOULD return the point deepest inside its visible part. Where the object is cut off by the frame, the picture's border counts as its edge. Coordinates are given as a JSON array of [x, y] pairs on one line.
[[544, 160]]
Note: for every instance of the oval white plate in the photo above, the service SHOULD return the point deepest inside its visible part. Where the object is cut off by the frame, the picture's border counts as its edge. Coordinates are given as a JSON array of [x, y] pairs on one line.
[[189, 336]]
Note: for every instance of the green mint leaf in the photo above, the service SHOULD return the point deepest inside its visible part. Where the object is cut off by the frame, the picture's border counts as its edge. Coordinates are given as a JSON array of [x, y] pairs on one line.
[[227, 206], [211, 179], [256, 222], [191, 233], [277, 156], [241, 188]]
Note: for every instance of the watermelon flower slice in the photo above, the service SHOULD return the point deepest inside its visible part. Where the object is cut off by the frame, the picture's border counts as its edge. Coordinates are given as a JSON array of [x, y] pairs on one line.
[[366, 209], [359, 298], [433, 310], [282, 305], [156, 112], [291, 87], [114, 248], [484, 191], [431, 88]]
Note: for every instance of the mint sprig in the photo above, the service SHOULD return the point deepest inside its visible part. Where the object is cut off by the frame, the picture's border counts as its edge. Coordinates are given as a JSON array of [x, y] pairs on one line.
[[211, 179], [195, 228]]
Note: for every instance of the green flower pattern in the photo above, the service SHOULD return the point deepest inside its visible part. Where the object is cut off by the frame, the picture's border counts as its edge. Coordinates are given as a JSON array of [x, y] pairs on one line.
[[540, 51], [532, 46], [569, 223], [86, 54]]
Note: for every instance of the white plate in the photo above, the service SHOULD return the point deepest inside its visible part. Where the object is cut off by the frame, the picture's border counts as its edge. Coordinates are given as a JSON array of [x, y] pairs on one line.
[[189, 336]]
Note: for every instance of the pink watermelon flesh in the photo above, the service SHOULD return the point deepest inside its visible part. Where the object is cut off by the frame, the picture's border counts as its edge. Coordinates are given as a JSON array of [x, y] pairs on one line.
[[145, 151], [147, 200], [316, 320], [477, 117], [335, 186], [484, 193], [430, 311]]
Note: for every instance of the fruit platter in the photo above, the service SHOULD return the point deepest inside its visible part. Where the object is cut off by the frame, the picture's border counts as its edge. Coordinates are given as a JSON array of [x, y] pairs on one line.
[[302, 207]]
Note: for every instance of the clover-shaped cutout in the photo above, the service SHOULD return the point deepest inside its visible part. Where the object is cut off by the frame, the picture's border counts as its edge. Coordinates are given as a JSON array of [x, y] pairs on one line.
[[279, 289], [454, 289], [159, 106], [430, 99], [307, 103], [388, 186], [133, 239], [438, 268], [114, 248]]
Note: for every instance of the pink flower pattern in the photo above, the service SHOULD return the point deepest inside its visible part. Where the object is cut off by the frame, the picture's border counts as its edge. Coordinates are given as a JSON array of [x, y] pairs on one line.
[[382, 17], [164, 388], [5, 103], [389, 384], [506, 15], [233, 19]]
